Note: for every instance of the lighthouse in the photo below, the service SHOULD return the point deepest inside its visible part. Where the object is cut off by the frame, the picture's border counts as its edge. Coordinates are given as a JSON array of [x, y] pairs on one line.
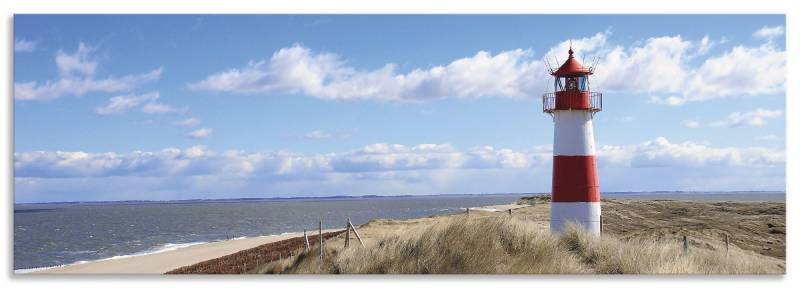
[[572, 105]]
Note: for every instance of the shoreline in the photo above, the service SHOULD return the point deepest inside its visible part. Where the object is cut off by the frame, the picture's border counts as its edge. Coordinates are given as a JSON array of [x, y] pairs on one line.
[[162, 260], [169, 245], [196, 251], [94, 266], [155, 250]]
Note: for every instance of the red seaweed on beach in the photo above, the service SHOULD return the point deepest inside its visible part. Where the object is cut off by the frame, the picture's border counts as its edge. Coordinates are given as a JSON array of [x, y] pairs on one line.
[[240, 262]]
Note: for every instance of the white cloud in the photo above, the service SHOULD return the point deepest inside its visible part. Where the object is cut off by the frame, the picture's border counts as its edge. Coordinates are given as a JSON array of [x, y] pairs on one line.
[[755, 118], [119, 104], [191, 121], [661, 153], [769, 32], [745, 71], [385, 169], [161, 108], [78, 87], [657, 66], [199, 160], [705, 45], [373, 158], [661, 65], [22, 45], [77, 78], [669, 100], [740, 71], [162, 163], [76, 64], [147, 101], [587, 48], [200, 133], [297, 69]]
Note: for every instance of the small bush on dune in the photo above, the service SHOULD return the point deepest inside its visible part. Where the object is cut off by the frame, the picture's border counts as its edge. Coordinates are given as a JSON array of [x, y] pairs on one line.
[[534, 200], [503, 245]]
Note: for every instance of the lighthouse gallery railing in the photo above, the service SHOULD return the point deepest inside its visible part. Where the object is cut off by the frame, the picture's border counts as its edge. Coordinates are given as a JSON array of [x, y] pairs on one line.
[[595, 101]]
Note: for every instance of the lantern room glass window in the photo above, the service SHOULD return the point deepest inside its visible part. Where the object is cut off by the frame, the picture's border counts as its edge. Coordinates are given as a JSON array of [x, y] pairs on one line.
[[558, 85], [583, 84], [577, 83]]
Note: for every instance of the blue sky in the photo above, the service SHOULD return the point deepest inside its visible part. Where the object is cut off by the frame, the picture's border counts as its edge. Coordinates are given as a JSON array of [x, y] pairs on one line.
[[176, 107]]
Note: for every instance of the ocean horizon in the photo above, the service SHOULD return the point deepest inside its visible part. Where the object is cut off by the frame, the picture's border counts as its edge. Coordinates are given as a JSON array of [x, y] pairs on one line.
[[338, 197]]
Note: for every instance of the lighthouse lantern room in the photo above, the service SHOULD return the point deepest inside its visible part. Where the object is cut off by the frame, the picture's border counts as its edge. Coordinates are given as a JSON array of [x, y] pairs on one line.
[[575, 192]]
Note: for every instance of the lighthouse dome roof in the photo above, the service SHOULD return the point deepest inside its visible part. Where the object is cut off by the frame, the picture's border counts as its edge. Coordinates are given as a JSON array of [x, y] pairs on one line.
[[572, 67]]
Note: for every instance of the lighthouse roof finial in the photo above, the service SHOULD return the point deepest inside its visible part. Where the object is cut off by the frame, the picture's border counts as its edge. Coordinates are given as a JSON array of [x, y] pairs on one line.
[[571, 67], [570, 48]]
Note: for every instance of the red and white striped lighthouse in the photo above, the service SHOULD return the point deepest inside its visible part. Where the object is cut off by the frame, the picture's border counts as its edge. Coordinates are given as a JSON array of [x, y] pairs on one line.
[[576, 193]]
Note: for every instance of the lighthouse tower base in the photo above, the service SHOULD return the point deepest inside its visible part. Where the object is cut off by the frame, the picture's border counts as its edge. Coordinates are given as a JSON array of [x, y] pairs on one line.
[[585, 214]]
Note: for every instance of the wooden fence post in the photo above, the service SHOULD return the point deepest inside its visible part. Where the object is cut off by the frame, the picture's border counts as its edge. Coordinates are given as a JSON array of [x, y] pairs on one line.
[[307, 245], [320, 241], [509, 212], [727, 243], [601, 223], [347, 234], [355, 232], [685, 245], [467, 211]]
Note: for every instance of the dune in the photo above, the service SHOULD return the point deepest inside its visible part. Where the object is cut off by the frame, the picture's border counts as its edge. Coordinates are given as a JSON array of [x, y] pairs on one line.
[[639, 237], [466, 244]]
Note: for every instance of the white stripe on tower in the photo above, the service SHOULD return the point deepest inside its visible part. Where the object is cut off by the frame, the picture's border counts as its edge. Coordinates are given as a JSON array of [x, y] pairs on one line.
[[586, 214], [573, 133]]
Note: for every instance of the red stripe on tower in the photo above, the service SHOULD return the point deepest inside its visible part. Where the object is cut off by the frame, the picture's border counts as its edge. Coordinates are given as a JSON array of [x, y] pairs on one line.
[[575, 179], [576, 189]]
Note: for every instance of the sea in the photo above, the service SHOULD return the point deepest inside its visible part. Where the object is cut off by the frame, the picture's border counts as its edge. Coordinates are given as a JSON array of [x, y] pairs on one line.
[[55, 234]]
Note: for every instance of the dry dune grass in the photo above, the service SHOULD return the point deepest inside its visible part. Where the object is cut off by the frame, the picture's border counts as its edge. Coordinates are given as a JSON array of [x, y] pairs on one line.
[[609, 255], [503, 245]]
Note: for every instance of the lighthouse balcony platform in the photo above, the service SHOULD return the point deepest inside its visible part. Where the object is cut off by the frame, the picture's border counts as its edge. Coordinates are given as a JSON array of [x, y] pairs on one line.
[[572, 100]]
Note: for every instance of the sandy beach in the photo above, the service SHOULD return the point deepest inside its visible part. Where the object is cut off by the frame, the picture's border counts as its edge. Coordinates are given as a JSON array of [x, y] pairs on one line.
[[160, 263]]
